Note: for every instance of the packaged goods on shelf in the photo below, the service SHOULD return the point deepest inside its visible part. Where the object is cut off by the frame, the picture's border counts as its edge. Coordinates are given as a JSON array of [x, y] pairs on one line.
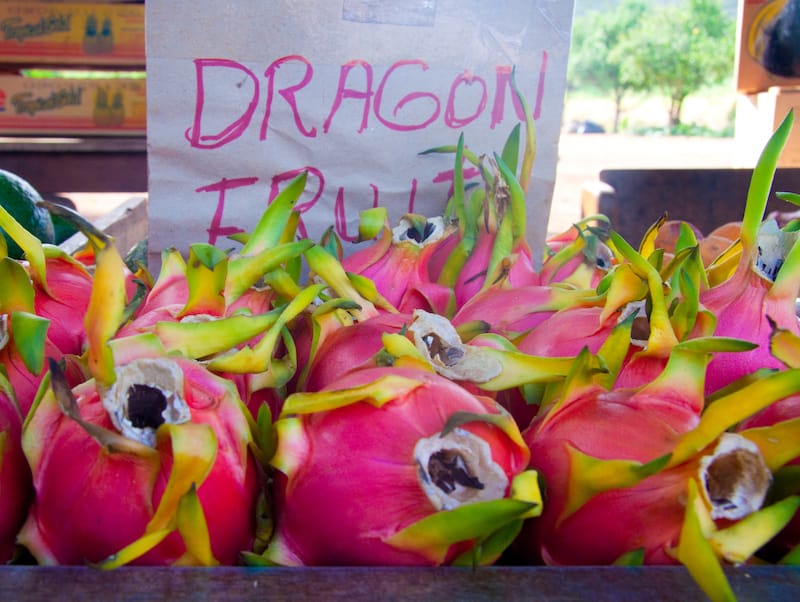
[[107, 34], [69, 106]]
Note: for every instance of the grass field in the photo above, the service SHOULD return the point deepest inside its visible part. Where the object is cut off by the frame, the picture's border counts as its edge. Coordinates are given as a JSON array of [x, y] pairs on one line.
[[712, 108]]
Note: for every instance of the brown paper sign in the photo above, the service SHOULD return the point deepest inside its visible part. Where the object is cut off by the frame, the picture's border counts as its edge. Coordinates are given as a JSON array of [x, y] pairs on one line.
[[245, 95]]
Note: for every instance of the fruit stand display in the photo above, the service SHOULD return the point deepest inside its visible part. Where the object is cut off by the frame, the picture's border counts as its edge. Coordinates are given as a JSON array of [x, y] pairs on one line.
[[444, 413], [417, 388]]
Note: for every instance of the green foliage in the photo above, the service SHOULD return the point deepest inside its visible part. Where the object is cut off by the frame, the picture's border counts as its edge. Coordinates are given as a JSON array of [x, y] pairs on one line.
[[677, 50], [685, 129], [674, 49], [595, 61]]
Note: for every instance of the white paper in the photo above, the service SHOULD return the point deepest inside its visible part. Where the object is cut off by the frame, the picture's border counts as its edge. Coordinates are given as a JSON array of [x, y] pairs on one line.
[[243, 95]]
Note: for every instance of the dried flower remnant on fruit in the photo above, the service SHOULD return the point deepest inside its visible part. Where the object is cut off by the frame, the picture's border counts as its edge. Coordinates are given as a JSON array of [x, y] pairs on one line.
[[146, 394], [447, 468], [604, 258], [457, 468], [428, 232], [640, 328], [773, 246], [439, 342], [736, 478]]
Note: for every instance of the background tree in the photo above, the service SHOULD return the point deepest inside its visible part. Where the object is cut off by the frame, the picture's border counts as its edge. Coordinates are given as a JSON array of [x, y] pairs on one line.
[[679, 49], [595, 60]]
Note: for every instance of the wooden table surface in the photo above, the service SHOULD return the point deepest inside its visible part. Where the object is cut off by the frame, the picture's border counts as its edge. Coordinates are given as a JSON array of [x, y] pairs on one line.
[[508, 584]]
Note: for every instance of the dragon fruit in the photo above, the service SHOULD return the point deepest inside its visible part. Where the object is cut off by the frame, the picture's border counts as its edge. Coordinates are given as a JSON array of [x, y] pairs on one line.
[[492, 243], [61, 287], [155, 470], [578, 257], [764, 285], [397, 262], [588, 324], [617, 463], [146, 462], [489, 243], [41, 308], [348, 298], [414, 470], [216, 308], [765, 425], [512, 311], [350, 348], [70, 285], [482, 366], [16, 490], [23, 334]]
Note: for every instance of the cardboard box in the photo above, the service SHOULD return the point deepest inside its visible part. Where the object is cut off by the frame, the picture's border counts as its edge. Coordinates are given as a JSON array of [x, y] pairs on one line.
[[96, 34], [759, 65], [58, 106], [127, 223], [757, 117]]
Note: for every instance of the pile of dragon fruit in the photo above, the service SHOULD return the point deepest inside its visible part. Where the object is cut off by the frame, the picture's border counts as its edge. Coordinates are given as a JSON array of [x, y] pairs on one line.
[[438, 397]]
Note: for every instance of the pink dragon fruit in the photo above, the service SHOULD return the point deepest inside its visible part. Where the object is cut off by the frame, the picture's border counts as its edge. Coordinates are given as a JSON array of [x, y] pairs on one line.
[[577, 257], [588, 324], [34, 321], [155, 470], [61, 287], [633, 290], [23, 335], [350, 348], [617, 462], [16, 490], [23, 345], [148, 461], [490, 241], [349, 298], [64, 302], [217, 283], [414, 470], [397, 262], [214, 304], [492, 244], [785, 346], [764, 285], [512, 311], [482, 366]]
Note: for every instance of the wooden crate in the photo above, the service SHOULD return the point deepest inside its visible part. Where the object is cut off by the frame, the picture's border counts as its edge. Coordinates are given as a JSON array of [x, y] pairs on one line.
[[127, 223]]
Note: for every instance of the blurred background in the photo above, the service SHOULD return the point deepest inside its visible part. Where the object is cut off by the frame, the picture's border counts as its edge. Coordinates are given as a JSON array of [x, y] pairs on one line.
[[651, 85]]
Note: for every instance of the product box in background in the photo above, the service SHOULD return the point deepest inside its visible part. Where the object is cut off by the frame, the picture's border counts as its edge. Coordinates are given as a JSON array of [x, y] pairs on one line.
[[757, 117], [765, 43], [66, 106], [94, 34]]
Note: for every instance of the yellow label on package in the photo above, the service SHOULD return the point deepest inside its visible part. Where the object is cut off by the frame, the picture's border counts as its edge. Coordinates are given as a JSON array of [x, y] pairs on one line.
[[72, 106], [90, 34]]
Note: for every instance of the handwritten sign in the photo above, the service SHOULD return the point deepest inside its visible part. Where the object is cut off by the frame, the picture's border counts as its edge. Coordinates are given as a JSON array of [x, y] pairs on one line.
[[244, 95]]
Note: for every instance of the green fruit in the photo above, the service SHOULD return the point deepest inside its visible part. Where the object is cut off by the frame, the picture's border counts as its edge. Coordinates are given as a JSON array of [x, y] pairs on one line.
[[63, 228], [20, 199]]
